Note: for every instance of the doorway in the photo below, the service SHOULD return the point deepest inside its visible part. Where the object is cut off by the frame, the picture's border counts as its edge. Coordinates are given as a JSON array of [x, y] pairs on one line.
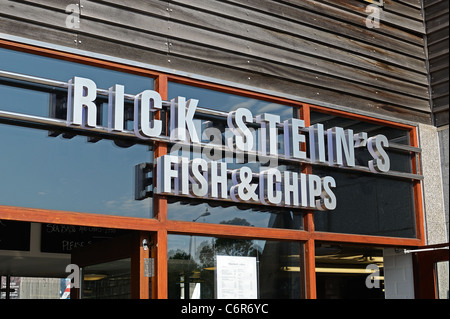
[[41, 261], [349, 272], [113, 269], [431, 263]]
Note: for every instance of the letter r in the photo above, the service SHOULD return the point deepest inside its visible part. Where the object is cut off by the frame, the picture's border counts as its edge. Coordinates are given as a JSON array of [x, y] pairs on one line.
[[81, 102]]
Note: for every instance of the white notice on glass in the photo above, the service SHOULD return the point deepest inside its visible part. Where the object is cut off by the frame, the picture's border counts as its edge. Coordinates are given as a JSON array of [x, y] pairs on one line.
[[236, 277]]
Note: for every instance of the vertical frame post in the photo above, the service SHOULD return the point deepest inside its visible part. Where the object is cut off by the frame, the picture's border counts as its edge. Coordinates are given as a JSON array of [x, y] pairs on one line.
[[159, 250], [308, 221]]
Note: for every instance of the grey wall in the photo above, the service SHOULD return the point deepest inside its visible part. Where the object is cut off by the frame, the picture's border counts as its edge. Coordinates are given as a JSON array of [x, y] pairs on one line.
[[433, 188], [443, 142]]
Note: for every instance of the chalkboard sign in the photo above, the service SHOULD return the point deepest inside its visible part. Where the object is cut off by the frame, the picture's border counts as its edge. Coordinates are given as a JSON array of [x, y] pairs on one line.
[[57, 238], [14, 235]]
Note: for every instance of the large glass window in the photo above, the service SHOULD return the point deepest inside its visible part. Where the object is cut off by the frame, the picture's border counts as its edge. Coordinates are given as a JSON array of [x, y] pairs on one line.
[[60, 170], [209, 268], [369, 204], [231, 213], [399, 159]]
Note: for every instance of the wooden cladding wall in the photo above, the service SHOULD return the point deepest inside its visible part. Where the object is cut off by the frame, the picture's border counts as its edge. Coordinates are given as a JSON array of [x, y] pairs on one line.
[[436, 17], [319, 51]]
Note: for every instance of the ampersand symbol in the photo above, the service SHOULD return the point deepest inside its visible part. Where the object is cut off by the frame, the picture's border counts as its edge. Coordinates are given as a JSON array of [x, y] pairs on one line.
[[242, 190]]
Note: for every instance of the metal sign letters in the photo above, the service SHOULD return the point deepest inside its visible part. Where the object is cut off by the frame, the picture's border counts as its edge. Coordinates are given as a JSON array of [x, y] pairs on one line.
[[211, 178]]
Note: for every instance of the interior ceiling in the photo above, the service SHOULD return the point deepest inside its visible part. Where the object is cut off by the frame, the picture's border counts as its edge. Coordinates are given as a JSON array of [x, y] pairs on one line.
[[32, 263], [336, 255], [20, 264]]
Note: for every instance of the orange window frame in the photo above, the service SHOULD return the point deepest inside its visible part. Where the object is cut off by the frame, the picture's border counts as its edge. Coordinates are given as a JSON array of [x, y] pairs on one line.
[[161, 227]]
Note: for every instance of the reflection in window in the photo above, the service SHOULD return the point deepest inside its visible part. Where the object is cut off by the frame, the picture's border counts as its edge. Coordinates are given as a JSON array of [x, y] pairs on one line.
[[233, 214], [399, 161], [61, 70], [226, 102], [220, 212], [213, 131], [24, 101], [70, 174], [394, 135], [368, 205], [66, 172], [192, 267], [47, 101]]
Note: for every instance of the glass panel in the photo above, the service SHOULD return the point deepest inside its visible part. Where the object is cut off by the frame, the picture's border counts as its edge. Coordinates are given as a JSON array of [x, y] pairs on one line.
[[394, 135], [36, 100], [240, 215], [368, 205], [221, 212], [70, 174], [24, 101], [226, 102], [61, 70], [399, 161], [110, 280], [199, 268], [348, 272]]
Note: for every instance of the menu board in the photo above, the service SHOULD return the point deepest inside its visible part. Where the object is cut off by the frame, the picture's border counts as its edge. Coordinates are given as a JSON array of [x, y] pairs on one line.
[[64, 238], [236, 277]]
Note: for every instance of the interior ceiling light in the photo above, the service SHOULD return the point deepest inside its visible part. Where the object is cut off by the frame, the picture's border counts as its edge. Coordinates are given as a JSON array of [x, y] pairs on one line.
[[94, 277]]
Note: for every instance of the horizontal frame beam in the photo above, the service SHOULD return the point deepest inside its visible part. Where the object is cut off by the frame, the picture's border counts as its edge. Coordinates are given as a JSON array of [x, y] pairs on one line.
[[191, 228]]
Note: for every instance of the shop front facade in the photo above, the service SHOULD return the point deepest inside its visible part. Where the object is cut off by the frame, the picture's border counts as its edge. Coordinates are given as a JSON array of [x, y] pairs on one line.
[[181, 179]]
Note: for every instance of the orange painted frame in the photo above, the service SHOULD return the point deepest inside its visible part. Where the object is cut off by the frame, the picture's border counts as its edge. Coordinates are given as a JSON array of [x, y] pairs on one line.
[[160, 226]]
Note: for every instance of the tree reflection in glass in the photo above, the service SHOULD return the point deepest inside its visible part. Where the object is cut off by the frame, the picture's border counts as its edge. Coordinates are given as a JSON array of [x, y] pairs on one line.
[[192, 264]]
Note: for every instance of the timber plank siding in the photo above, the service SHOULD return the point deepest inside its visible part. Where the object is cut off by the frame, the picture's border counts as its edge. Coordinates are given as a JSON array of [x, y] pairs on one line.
[[436, 15], [320, 52]]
